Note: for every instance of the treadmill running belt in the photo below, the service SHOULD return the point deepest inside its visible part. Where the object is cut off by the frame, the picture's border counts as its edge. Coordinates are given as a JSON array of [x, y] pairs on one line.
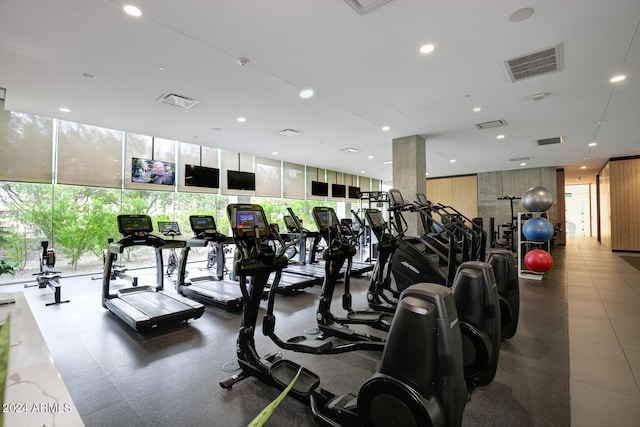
[[155, 304]]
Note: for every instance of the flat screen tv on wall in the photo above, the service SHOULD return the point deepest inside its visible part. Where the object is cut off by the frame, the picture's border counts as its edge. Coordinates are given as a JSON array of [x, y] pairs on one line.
[[146, 171], [201, 176], [237, 180], [354, 192], [319, 189], [338, 190]]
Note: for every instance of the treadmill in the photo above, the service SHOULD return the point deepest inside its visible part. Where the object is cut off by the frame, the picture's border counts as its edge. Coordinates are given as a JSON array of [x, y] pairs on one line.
[[307, 263], [208, 288], [144, 307]]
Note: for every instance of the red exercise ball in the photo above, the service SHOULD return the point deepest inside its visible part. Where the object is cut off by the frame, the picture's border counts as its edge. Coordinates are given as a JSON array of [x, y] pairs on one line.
[[538, 260]]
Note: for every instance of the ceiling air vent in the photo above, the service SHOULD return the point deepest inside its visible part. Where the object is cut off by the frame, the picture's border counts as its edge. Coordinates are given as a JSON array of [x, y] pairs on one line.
[[289, 132], [549, 141], [491, 125], [178, 100], [365, 6], [534, 64]]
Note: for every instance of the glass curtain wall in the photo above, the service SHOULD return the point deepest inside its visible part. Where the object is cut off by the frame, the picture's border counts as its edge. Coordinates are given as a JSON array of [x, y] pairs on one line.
[[65, 183]]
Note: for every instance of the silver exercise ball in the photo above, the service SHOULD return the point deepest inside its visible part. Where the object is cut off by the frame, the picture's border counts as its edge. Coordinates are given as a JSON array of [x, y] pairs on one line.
[[537, 199]]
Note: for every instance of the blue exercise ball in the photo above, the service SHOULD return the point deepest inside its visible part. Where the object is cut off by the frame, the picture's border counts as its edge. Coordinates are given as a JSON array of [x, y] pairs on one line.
[[537, 230], [537, 199]]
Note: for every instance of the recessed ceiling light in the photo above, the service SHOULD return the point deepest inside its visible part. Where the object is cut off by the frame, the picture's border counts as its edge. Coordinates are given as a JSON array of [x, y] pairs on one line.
[[583, 167], [64, 109], [501, 136], [161, 68], [216, 129], [426, 174], [362, 172], [131, 10], [452, 161], [350, 150], [617, 78], [87, 75], [275, 153], [369, 157], [385, 128], [306, 93], [523, 164], [427, 48], [241, 119], [521, 14], [477, 109], [387, 162], [593, 144]]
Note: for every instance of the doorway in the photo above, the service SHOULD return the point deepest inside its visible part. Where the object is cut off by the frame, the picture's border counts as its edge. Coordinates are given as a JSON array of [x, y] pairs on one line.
[[577, 210]]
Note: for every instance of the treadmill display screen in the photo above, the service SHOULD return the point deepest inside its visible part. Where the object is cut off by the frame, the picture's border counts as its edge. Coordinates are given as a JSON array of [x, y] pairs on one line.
[[202, 223], [247, 220], [130, 224], [168, 227]]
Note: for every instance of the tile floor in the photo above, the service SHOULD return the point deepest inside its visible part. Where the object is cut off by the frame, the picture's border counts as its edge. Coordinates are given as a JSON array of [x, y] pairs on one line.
[[604, 330]]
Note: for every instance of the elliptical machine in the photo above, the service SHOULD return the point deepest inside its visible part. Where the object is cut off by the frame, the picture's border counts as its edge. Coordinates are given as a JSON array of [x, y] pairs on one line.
[[420, 381], [474, 288]]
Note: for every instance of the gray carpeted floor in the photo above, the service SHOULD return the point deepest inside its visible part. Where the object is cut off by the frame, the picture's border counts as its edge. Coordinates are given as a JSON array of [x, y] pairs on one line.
[[119, 377]]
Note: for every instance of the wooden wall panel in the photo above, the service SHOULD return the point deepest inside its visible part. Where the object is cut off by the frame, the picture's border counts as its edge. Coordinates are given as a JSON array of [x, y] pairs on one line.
[[625, 204], [460, 192], [605, 217]]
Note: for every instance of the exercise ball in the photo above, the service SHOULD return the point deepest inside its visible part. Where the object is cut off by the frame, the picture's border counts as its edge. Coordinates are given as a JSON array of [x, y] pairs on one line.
[[537, 230], [537, 199], [538, 260]]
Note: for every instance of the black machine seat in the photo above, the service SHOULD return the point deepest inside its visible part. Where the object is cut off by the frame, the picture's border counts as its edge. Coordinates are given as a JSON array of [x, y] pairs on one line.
[[144, 307]]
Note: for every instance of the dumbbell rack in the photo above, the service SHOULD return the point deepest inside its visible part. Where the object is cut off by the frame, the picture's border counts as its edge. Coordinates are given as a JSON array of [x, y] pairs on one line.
[[523, 272]]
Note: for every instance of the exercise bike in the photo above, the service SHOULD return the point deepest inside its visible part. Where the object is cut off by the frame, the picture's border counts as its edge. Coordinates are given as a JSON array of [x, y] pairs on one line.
[[420, 381], [170, 229], [47, 277]]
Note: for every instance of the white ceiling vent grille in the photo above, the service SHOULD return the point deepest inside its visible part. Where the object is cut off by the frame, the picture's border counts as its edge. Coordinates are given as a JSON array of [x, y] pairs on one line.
[[178, 100], [491, 125], [550, 141], [535, 64], [289, 132], [365, 6]]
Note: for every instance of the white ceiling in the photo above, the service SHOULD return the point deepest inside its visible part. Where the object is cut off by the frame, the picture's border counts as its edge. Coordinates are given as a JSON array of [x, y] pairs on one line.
[[366, 70]]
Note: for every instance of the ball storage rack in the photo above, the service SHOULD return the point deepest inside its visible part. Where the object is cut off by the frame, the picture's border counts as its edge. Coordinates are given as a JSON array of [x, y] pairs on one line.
[[546, 245]]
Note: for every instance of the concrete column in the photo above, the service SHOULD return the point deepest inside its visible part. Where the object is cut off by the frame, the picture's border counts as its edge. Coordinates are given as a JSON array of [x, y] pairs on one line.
[[409, 168]]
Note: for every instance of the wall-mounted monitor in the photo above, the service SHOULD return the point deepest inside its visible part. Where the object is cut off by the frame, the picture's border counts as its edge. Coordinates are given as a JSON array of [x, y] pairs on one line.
[[354, 192], [201, 176], [237, 180], [147, 171], [319, 189], [338, 190]]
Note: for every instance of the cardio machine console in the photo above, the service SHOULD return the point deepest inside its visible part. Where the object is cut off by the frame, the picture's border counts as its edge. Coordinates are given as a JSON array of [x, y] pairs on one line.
[[326, 220], [169, 228], [247, 219], [134, 225], [395, 199], [202, 224]]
